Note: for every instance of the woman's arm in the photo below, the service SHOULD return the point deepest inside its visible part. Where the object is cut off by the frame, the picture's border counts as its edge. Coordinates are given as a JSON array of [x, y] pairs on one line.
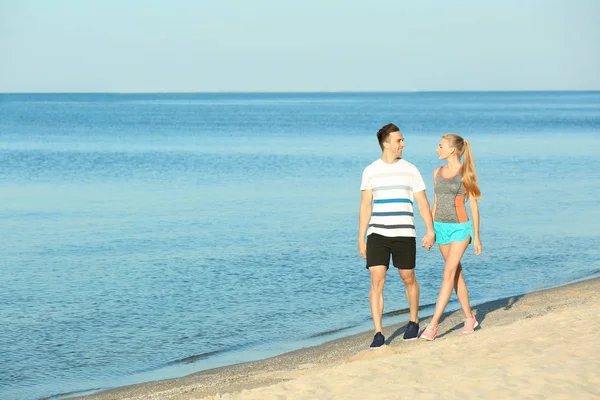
[[475, 216], [435, 174]]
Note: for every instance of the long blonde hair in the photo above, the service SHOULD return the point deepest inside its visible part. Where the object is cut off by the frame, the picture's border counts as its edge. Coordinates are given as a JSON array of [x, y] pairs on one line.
[[469, 174]]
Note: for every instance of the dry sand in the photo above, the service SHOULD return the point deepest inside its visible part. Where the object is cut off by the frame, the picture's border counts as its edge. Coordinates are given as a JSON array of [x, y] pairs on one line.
[[543, 345]]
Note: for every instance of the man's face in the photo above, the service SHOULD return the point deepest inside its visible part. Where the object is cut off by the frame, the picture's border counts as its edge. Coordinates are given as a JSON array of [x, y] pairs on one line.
[[395, 143]]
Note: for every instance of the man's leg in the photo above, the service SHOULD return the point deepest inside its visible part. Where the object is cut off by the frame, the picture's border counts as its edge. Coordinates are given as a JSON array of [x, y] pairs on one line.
[[412, 292], [378, 273]]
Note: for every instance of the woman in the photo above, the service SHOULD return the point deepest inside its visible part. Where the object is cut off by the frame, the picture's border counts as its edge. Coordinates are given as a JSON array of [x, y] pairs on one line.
[[454, 184]]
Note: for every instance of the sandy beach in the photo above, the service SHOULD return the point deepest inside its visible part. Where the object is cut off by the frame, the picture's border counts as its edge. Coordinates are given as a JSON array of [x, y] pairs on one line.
[[540, 345]]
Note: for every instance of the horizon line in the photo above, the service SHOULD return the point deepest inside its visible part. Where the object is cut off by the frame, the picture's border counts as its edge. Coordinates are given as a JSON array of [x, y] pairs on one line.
[[309, 91]]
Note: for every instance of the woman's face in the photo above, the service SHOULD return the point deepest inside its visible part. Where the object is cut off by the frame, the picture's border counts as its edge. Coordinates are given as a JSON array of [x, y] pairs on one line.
[[444, 150]]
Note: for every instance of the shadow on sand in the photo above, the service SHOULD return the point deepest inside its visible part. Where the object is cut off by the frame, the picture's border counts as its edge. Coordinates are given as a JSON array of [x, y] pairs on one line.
[[481, 311]]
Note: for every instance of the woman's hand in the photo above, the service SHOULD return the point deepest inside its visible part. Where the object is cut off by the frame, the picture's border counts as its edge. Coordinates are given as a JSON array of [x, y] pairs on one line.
[[477, 246]]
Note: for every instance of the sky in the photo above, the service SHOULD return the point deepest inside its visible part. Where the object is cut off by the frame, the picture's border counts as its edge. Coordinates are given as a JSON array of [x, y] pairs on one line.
[[298, 45]]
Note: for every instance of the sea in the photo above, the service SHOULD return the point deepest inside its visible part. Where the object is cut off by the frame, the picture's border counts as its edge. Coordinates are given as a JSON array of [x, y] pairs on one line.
[[149, 236]]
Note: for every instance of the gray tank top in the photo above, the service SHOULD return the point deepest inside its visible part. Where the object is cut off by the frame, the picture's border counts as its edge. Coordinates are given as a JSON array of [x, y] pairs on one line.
[[450, 194]]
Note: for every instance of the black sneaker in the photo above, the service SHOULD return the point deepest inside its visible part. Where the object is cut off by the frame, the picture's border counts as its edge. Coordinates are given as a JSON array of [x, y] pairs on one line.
[[378, 340], [412, 331]]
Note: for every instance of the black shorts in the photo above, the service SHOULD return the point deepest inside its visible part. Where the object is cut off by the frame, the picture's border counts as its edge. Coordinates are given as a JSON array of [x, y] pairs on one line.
[[402, 249]]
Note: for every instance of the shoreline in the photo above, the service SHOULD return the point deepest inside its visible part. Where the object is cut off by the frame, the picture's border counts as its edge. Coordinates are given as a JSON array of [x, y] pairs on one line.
[[270, 371]]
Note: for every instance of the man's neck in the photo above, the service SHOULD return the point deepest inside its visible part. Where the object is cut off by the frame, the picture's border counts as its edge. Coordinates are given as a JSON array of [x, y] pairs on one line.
[[389, 158]]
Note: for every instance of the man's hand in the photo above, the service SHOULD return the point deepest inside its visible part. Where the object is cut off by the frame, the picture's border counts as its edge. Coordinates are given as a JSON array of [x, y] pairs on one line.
[[362, 248], [428, 240]]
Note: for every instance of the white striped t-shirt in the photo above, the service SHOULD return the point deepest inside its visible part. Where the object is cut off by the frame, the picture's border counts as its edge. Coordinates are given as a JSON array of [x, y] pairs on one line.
[[393, 186]]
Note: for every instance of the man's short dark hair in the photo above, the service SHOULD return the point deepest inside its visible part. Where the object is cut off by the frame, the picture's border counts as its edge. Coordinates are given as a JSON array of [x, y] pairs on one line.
[[384, 132]]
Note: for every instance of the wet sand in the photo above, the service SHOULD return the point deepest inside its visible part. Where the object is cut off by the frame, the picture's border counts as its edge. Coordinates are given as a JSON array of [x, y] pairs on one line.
[[540, 345]]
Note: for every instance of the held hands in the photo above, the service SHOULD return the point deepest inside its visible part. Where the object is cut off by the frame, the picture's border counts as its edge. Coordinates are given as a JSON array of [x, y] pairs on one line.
[[477, 246], [428, 240]]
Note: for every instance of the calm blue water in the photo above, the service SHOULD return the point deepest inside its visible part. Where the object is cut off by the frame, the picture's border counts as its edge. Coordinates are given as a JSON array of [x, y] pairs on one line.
[[140, 230]]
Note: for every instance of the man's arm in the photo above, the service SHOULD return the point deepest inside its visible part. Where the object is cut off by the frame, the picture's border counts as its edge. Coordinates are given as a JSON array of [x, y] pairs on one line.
[[423, 203], [364, 216]]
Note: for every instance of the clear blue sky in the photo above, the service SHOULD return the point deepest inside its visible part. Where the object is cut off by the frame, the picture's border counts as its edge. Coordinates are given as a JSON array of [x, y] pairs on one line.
[[298, 45]]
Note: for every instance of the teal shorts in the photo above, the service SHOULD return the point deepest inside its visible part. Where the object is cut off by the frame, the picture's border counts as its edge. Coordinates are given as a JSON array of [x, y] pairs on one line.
[[446, 232]]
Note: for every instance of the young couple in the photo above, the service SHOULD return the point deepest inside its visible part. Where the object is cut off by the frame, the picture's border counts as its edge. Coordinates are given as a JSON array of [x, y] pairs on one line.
[[389, 187]]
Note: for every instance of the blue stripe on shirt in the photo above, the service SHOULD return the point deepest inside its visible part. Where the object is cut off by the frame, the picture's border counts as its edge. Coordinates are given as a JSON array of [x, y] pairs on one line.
[[392, 213], [385, 201], [382, 226]]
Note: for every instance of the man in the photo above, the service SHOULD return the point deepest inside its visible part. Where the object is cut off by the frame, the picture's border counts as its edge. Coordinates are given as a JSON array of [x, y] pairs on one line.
[[389, 187]]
